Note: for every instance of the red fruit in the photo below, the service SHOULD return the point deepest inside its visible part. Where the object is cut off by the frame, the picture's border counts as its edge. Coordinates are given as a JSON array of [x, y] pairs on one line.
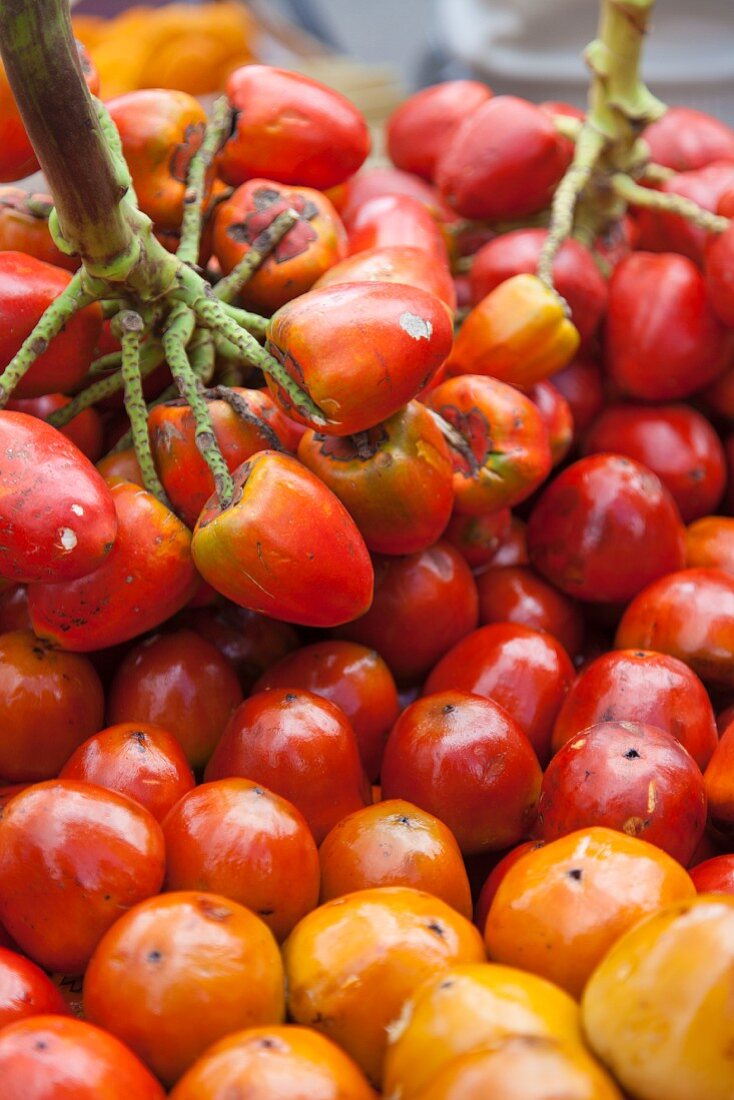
[[25, 990], [582, 386], [690, 615], [714, 876], [73, 857], [24, 227], [503, 161], [669, 351], [260, 554], [526, 672], [181, 682], [684, 138], [718, 269], [353, 677], [627, 776], [85, 430], [56, 512], [300, 746], [27, 287], [54, 1058], [360, 350], [141, 761], [466, 761], [50, 702], [604, 528], [292, 129], [394, 264], [418, 130], [423, 604], [478, 538], [576, 276], [495, 876], [372, 182], [396, 220], [675, 442], [516, 594], [147, 576], [660, 231]]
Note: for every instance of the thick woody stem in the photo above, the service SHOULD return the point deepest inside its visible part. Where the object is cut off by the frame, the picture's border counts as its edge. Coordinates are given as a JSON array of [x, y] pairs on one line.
[[128, 327], [176, 337], [71, 299], [219, 123], [228, 287], [636, 195]]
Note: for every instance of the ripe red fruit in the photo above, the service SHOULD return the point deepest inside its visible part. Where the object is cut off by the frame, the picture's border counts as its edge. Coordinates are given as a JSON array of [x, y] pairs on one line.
[[465, 760], [418, 130]]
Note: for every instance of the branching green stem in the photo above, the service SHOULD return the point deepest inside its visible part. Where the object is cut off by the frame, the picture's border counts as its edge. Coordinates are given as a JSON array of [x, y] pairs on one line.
[[265, 242], [636, 195], [217, 127], [129, 328]]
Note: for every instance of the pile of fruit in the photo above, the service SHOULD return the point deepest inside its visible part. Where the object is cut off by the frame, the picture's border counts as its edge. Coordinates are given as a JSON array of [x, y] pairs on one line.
[[367, 609]]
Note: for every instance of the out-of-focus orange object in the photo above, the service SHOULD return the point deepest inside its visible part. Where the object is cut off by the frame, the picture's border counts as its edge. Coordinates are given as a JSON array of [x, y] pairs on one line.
[[190, 48]]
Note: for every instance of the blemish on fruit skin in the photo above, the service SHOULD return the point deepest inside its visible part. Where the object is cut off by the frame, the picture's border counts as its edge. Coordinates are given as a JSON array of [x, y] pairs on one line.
[[77, 509], [416, 327], [67, 538]]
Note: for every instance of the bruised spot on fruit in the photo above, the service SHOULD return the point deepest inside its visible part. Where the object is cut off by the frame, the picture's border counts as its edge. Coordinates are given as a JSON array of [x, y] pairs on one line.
[[416, 327], [632, 754], [67, 538], [40, 1044], [154, 956], [439, 929], [575, 873], [213, 911]]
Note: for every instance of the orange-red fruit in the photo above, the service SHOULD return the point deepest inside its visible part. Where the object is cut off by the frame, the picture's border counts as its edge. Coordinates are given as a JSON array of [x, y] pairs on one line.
[[238, 839], [180, 971]]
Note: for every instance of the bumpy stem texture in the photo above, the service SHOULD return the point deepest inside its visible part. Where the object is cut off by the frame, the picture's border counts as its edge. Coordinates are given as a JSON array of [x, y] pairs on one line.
[[261, 248], [129, 327], [636, 195], [188, 249]]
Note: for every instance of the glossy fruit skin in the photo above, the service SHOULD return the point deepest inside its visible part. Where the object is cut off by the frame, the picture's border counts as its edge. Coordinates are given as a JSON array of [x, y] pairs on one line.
[[494, 878], [260, 555], [526, 672], [160, 130], [371, 183], [576, 276], [661, 231], [419, 129], [710, 543], [235, 838], [674, 441], [360, 350], [478, 538], [465, 760], [397, 484], [557, 417], [85, 430], [676, 349], [720, 789], [579, 893], [505, 435], [523, 1067], [314, 244], [139, 760], [59, 1058], [353, 677], [187, 479], [429, 597], [604, 528], [181, 682], [291, 129], [627, 776], [714, 876], [717, 269], [167, 979], [250, 642], [516, 594], [50, 702], [635, 685], [24, 227], [518, 333], [582, 386], [685, 138], [389, 939], [396, 221], [670, 973], [25, 990], [502, 162], [690, 615], [469, 1007], [122, 465], [57, 513], [27, 287], [394, 264], [274, 1063], [147, 576], [294, 742], [394, 843], [72, 858]]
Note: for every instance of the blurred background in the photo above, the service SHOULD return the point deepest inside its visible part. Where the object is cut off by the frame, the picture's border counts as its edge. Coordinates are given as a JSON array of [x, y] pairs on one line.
[[376, 51]]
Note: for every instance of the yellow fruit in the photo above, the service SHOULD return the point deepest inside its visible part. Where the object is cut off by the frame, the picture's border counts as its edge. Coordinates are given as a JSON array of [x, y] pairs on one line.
[[469, 1007], [659, 1008]]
